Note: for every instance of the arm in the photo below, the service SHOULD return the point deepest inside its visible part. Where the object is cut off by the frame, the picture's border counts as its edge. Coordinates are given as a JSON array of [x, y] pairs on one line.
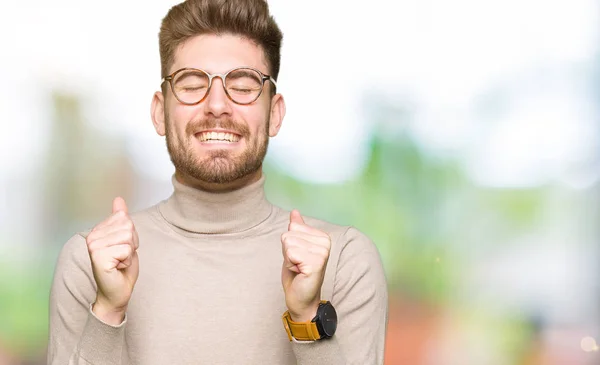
[[76, 335], [361, 300]]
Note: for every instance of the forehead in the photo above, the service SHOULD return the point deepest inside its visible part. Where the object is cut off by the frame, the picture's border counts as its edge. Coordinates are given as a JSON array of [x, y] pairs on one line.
[[219, 53]]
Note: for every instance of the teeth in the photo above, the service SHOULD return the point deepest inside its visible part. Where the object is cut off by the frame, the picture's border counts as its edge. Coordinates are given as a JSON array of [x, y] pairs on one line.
[[218, 136]]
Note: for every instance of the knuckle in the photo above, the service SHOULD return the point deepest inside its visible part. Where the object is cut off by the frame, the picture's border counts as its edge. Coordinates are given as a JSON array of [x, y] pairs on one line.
[[129, 225], [123, 237], [290, 251], [325, 242], [293, 241], [122, 252], [130, 236], [319, 250]]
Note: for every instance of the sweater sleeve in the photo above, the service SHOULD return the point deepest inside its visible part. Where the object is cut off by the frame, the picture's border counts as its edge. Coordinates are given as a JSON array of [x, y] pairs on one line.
[[360, 298], [76, 335]]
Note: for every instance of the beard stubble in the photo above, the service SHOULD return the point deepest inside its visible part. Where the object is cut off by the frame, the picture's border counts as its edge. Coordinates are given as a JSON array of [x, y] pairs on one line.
[[218, 166]]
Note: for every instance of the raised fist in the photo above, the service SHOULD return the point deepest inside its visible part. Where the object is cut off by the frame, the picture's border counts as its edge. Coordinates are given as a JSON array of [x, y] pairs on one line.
[[112, 246], [305, 255]]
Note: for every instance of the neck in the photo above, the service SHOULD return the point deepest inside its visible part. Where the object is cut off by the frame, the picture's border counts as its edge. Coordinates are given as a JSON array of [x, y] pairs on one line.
[[202, 208], [211, 187]]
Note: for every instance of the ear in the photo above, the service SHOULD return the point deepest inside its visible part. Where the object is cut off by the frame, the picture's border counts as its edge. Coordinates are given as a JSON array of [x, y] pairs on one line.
[[277, 114], [157, 111]]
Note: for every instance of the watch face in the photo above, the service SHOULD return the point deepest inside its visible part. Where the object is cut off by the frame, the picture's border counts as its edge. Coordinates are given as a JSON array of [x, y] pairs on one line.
[[328, 319]]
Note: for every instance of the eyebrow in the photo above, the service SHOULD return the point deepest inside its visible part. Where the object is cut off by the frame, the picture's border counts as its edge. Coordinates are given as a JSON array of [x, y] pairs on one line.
[[242, 73], [190, 72]]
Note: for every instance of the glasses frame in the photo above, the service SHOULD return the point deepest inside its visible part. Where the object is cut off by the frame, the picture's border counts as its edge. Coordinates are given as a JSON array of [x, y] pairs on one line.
[[223, 77]]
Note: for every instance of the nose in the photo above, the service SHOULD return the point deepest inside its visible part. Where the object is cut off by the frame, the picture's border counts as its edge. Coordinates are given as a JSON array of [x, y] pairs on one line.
[[217, 103]]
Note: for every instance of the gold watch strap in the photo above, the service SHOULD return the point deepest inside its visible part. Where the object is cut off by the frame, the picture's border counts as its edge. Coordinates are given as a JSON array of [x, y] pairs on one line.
[[301, 331]]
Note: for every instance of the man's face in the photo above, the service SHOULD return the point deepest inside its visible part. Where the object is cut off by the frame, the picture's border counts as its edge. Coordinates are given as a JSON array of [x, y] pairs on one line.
[[199, 137]]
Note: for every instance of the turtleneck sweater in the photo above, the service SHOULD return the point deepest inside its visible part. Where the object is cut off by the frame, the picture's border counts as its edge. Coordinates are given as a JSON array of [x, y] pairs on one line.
[[209, 290]]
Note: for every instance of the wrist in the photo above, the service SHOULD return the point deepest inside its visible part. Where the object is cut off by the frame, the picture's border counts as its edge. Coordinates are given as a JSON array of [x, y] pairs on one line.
[[322, 325], [305, 314], [108, 314]]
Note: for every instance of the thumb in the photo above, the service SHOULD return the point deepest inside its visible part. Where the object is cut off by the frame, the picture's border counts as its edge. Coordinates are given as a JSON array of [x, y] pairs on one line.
[[119, 204], [295, 217]]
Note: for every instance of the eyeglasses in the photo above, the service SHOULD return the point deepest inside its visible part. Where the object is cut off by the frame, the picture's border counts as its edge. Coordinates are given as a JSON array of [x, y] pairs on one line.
[[242, 85]]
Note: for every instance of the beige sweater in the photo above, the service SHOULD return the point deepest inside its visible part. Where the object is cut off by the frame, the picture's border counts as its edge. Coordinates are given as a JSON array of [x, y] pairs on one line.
[[209, 290]]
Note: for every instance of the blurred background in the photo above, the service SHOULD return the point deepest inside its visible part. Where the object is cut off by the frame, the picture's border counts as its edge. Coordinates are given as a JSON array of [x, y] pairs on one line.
[[462, 136]]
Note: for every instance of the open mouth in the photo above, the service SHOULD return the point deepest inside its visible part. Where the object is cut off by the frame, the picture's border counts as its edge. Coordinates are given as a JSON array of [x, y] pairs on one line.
[[218, 137]]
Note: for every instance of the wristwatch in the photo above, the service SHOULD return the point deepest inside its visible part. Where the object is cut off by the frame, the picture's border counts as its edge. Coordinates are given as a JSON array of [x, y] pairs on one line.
[[322, 326]]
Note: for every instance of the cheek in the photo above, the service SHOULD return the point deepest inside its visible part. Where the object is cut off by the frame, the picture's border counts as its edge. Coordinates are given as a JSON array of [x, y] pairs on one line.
[[256, 119], [180, 116]]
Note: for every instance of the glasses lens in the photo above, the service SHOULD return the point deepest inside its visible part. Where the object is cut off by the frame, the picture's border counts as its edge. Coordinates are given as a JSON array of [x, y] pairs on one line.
[[190, 86], [243, 85]]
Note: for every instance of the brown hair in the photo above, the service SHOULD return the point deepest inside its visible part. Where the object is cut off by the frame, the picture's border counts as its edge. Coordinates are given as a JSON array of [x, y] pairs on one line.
[[247, 18]]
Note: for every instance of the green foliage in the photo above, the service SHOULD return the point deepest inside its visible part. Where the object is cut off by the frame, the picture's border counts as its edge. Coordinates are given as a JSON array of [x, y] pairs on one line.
[[422, 213], [24, 296], [398, 201]]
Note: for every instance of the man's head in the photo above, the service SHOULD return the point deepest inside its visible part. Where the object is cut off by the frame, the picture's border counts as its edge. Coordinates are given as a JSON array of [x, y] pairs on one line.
[[217, 140]]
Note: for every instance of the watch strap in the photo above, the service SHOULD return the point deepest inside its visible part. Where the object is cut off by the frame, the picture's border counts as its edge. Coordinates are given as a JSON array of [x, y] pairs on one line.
[[301, 331]]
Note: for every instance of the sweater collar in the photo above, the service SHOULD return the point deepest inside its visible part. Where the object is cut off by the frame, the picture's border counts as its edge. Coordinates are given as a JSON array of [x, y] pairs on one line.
[[200, 211]]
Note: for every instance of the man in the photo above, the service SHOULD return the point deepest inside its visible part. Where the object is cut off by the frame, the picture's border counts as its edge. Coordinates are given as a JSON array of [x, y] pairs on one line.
[[215, 274]]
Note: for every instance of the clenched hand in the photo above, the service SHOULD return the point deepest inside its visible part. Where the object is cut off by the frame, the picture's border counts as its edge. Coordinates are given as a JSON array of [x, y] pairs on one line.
[[112, 246], [305, 254]]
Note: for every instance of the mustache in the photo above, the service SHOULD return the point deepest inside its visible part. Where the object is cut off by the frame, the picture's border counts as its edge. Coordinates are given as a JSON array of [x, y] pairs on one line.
[[213, 123]]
